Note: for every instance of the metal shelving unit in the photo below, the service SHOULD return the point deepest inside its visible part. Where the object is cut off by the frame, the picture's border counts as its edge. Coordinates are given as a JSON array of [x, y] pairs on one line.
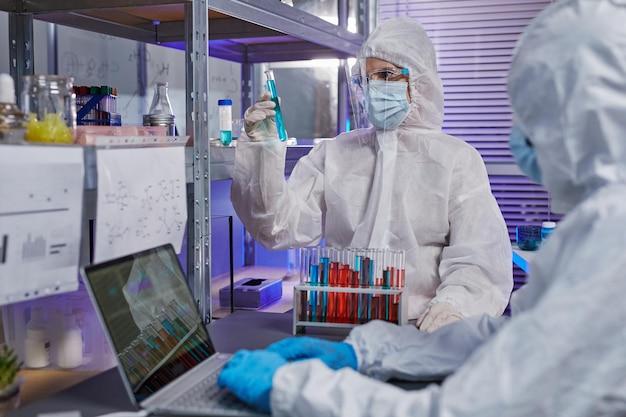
[[244, 31]]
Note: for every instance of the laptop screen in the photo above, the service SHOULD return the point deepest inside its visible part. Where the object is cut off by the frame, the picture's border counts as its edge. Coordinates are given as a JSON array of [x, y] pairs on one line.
[[151, 317]]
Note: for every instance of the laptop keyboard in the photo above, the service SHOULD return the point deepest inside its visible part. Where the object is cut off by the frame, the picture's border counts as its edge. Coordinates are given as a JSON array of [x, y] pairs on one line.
[[208, 394]]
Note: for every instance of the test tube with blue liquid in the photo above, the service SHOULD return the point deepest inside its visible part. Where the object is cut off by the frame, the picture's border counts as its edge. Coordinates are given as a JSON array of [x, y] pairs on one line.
[[271, 86]]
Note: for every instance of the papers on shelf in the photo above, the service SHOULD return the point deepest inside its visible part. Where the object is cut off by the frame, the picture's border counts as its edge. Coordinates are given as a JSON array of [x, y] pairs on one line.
[[41, 203], [142, 200]]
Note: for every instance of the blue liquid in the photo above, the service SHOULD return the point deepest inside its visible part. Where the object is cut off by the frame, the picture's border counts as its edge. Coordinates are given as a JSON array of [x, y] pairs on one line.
[[313, 274], [226, 136], [325, 265], [280, 125]]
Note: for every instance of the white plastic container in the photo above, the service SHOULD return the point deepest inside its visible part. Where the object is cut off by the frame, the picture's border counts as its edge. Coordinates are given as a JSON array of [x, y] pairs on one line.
[[70, 344], [12, 120], [37, 343], [546, 229]]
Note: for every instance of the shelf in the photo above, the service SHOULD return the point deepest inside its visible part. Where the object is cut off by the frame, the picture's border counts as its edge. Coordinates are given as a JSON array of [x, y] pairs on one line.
[[244, 31], [249, 31], [221, 167], [223, 160]]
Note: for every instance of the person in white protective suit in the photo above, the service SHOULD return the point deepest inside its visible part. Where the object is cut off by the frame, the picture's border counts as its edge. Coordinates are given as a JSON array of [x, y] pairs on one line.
[[402, 184], [562, 351]]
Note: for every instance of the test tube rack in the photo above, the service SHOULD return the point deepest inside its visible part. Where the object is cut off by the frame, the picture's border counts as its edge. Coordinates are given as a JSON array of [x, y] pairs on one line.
[[351, 306], [345, 287], [97, 106]]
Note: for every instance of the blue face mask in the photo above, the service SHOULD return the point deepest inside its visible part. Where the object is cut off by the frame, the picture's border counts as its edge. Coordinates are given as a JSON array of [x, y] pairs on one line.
[[386, 103], [524, 154]]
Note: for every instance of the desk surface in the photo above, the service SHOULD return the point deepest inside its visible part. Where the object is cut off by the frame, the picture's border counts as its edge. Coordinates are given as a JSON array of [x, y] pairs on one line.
[[104, 393]]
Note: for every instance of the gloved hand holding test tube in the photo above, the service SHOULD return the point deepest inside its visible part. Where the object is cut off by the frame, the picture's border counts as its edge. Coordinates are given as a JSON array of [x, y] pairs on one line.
[[271, 86]]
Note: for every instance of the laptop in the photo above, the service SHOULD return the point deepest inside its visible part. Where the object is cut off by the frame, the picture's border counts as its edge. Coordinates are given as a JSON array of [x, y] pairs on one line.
[[165, 356]]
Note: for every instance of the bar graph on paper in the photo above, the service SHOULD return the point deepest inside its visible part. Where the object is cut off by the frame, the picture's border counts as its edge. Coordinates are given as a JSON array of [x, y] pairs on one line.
[[3, 248], [40, 221], [38, 205]]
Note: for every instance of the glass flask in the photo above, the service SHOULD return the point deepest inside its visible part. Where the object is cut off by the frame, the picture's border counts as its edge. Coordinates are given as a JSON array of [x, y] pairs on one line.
[[161, 100], [49, 103], [161, 113]]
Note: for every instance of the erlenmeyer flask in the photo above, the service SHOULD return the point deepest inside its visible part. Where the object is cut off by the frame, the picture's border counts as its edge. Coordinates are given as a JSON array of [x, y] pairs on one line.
[[160, 101], [161, 113]]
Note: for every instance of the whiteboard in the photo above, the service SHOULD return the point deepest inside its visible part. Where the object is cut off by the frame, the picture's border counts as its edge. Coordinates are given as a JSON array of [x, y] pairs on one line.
[[97, 59]]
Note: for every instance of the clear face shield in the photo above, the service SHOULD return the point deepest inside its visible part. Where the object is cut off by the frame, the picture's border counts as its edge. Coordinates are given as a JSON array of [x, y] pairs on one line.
[[358, 115], [379, 98]]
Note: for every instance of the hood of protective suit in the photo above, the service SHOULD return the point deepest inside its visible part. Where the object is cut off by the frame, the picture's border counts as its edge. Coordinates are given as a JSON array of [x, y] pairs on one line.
[[566, 88], [403, 42]]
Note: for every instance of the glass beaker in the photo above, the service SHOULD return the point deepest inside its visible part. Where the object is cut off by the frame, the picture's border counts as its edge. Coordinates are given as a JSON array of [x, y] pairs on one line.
[[49, 103]]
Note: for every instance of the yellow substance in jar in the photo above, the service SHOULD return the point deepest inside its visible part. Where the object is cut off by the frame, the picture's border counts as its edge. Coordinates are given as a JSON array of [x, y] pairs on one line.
[[52, 129]]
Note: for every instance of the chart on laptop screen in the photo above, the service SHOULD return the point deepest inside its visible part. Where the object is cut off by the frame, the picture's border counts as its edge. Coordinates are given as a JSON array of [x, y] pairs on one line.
[[151, 317]]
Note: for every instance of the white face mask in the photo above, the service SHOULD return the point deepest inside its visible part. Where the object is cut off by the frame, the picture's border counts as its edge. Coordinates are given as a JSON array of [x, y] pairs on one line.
[[386, 103]]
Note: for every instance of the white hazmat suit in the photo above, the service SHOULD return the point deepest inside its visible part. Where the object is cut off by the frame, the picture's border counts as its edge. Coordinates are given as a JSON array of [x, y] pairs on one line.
[[563, 350], [414, 188]]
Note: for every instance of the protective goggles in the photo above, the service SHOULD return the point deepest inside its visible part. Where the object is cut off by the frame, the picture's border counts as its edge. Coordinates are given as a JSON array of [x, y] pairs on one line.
[[382, 74]]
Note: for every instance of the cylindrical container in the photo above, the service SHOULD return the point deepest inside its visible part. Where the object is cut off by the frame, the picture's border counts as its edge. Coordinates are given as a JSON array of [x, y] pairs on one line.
[[37, 344], [309, 265], [271, 87], [49, 103], [225, 107], [12, 119], [528, 237], [238, 127], [166, 120], [546, 229], [70, 344]]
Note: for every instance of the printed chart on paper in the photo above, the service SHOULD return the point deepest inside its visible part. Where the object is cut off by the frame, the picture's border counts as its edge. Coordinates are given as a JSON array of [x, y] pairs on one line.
[[41, 203]]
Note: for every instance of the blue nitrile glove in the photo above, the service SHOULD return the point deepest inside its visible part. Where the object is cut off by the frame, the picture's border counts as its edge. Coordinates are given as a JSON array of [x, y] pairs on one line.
[[248, 375], [335, 355]]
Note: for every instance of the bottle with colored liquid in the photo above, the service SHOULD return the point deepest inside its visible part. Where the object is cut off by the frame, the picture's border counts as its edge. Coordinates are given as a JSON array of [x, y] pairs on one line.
[[271, 86], [225, 110]]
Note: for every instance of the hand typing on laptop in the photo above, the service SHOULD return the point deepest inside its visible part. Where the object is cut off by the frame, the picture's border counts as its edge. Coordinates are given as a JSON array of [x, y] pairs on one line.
[[165, 356], [249, 374]]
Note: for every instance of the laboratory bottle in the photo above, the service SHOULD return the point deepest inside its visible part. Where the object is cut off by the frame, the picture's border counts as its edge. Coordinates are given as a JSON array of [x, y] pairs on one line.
[[49, 103], [546, 229], [225, 109], [12, 120], [37, 343], [69, 344], [161, 113]]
